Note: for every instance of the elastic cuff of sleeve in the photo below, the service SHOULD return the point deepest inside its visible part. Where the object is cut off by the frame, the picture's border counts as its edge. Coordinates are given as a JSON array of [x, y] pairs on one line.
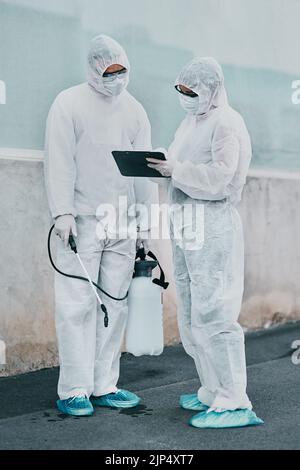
[[176, 171]]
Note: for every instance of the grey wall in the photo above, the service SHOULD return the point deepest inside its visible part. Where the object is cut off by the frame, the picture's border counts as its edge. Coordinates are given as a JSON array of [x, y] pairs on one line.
[[270, 211], [26, 281], [272, 294]]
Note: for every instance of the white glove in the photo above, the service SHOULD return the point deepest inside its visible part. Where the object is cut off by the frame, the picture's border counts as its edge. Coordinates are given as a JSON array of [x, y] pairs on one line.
[[143, 239], [165, 168], [64, 226]]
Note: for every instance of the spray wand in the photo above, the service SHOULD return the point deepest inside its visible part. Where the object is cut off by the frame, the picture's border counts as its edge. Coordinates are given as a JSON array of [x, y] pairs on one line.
[[73, 247]]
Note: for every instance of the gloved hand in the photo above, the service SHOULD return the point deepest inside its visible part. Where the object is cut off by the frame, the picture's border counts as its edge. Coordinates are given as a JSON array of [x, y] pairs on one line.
[[64, 226], [143, 239], [166, 167]]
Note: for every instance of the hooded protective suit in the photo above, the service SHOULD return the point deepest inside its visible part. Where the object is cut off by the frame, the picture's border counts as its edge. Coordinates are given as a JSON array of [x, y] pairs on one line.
[[85, 124], [210, 156]]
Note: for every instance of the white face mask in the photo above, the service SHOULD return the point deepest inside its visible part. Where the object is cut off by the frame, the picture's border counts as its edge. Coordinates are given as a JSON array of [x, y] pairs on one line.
[[196, 105], [189, 104], [114, 86]]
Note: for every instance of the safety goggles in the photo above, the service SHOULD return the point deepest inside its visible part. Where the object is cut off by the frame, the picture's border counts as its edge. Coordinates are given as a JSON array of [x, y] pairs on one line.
[[191, 94], [114, 74]]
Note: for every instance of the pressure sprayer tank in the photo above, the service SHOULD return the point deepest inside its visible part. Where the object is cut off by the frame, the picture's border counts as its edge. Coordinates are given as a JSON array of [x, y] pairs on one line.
[[144, 334]]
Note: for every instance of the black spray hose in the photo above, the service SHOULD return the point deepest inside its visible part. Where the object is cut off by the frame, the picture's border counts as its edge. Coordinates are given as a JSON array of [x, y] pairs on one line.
[[74, 248]]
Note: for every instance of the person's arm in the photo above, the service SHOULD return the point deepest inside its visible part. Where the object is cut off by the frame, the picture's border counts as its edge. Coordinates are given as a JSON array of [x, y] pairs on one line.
[[158, 165], [146, 192], [59, 167], [209, 180]]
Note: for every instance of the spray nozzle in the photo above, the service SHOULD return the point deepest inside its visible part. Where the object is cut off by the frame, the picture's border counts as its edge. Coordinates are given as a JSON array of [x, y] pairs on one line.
[[141, 254], [72, 243], [104, 310]]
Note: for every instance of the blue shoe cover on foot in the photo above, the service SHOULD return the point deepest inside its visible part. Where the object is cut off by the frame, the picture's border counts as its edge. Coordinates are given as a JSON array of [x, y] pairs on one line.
[[226, 419], [191, 402], [119, 399], [76, 406]]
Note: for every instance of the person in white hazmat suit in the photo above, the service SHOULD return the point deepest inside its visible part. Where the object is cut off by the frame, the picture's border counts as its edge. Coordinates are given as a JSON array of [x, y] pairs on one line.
[[207, 164], [85, 124]]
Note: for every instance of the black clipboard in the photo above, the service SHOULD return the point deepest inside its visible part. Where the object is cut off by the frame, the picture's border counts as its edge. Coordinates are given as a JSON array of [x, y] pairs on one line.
[[134, 164]]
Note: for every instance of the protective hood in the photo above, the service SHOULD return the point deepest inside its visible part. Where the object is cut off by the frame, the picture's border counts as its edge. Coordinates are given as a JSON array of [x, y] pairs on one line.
[[204, 76], [104, 52]]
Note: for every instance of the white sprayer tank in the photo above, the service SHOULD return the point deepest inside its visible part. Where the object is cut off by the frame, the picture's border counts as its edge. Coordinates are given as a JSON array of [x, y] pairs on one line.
[[144, 333]]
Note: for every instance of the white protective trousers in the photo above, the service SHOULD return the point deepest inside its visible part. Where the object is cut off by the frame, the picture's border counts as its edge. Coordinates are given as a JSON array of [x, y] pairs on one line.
[[90, 353], [209, 281]]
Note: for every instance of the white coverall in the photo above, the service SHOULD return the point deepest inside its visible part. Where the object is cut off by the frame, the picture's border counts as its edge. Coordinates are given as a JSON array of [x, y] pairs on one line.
[[210, 154], [84, 125]]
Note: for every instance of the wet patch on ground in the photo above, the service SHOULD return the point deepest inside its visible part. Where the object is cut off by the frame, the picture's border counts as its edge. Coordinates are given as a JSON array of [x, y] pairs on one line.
[[140, 410]]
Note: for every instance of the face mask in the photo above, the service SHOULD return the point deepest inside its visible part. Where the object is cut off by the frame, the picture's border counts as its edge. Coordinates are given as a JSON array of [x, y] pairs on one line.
[[115, 85], [189, 104], [196, 105]]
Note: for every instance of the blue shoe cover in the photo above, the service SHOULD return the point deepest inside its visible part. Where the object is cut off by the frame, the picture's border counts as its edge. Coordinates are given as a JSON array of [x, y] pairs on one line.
[[191, 402], [119, 399], [76, 406], [226, 419]]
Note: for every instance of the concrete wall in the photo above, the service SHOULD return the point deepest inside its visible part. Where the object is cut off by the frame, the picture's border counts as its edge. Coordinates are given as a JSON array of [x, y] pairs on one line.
[[272, 294], [26, 280], [270, 211]]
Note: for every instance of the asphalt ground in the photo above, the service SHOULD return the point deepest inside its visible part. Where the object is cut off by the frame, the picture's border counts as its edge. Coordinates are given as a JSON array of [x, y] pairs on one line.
[[29, 419]]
